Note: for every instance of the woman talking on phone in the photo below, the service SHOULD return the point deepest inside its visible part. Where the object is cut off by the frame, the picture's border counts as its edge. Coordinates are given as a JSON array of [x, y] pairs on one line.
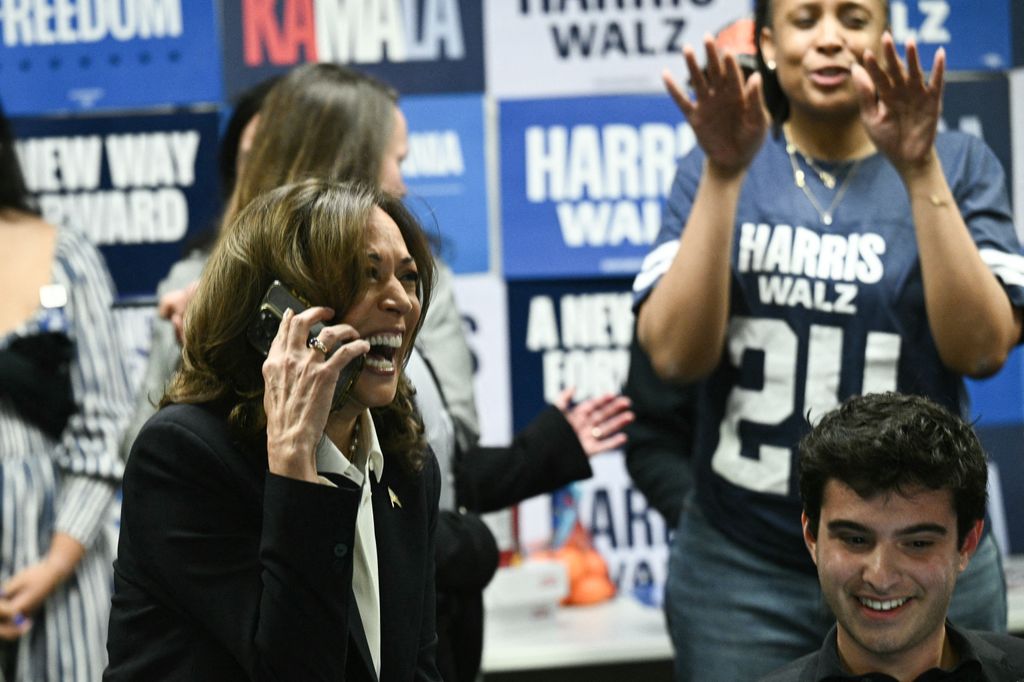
[[273, 529], [853, 249]]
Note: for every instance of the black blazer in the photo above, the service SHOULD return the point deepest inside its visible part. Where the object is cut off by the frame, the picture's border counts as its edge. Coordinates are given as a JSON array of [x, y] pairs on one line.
[[227, 572]]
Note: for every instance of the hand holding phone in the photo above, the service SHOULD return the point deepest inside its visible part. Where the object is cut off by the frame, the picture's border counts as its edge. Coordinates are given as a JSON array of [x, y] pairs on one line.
[[263, 329]]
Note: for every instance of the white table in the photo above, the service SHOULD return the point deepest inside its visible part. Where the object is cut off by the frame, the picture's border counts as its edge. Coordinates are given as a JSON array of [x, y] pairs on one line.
[[618, 631]]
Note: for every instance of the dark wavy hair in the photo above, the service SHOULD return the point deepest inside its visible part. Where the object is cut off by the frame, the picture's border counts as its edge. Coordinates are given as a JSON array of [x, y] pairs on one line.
[[774, 97], [310, 235], [14, 194], [892, 443]]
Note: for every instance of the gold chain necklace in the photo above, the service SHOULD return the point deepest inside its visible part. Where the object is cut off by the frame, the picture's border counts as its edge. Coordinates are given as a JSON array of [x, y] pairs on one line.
[[355, 441], [827, 179]]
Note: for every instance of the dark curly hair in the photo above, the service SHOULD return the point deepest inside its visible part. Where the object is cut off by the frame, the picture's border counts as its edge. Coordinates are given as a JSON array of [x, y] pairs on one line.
[[891, 442]]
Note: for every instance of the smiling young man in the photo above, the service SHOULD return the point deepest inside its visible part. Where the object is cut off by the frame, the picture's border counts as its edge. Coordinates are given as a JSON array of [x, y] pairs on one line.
[[893, 490]]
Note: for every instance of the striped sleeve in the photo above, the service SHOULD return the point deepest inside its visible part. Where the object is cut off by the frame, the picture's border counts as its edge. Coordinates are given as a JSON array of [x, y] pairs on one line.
[[1008, 267], [979, 186], [87, 454]]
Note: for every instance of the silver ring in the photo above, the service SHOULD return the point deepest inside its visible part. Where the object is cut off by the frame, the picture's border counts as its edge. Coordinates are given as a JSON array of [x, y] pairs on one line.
[[597, 433], [316, 343]]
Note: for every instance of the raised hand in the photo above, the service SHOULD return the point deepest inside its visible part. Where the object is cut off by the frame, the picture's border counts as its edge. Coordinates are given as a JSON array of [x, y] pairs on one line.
[[899, 108], [299, 383], [727, 115], [598, 422]]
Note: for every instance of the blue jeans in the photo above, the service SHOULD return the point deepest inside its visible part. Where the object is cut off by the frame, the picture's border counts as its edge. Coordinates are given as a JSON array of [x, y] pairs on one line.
[[735, 616]]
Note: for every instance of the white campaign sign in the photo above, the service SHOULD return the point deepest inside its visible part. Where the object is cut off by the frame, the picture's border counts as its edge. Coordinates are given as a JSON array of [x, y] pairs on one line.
[[594, 46], [482, 301]]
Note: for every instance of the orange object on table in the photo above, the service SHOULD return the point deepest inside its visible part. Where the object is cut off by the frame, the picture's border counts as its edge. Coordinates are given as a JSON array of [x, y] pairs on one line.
[[589, 582]]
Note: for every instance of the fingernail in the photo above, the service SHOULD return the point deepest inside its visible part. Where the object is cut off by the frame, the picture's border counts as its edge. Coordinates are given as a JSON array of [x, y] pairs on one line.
[[19, 619]]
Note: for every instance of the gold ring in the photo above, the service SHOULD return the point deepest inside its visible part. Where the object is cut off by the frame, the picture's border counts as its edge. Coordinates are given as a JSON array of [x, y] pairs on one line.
[[597, 433], [315, 342]]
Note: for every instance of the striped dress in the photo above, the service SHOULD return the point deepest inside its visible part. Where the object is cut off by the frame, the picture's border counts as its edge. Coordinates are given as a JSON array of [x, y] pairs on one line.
[[67, 484]]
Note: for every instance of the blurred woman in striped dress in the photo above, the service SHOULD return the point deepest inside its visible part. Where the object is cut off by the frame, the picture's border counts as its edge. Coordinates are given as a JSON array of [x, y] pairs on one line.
[[63, 397]]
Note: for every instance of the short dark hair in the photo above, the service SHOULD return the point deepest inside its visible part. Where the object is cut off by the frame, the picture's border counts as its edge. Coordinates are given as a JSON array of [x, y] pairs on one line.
[[891, 442]]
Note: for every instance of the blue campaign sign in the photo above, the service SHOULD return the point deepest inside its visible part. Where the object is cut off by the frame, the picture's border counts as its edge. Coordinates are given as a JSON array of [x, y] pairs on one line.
[[138, 186], [446, 175], [93, 54], [981, 107], [564, 334], [415, 45], [583, 182], [975, 33]]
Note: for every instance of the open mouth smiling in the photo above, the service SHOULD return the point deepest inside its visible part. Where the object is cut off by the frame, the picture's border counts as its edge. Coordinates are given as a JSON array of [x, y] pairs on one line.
[[882, 606], [383, 348]]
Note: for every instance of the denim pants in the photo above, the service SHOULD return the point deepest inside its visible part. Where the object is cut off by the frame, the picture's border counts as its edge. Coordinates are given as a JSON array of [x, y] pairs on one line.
[[735, 616]]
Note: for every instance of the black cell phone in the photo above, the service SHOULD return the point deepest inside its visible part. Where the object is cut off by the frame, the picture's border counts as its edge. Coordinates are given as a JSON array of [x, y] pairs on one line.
[[263, 329]]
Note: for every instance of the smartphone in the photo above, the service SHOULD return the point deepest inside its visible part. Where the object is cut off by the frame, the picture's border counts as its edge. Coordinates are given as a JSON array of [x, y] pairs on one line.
[[263, 329]]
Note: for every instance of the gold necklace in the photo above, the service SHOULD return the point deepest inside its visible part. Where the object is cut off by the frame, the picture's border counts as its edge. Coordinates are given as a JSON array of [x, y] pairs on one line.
[[355, 441], [827, 179]]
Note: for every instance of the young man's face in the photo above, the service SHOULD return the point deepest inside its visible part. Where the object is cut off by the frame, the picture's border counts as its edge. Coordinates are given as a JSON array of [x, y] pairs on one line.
[[887, 567]]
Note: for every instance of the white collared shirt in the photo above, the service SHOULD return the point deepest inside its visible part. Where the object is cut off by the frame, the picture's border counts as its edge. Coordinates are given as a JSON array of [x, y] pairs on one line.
[[365, 579]]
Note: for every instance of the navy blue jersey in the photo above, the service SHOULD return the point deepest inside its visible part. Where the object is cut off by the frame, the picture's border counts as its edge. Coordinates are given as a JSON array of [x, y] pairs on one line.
[[819, 313]]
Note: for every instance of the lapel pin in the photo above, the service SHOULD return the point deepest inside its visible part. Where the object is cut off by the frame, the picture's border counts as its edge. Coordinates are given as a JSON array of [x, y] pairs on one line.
[[395, 502]]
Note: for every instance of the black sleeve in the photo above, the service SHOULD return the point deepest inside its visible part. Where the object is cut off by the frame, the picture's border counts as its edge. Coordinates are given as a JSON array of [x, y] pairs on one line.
[[660, 441], [543, 457], [465, 551], [269, 585]]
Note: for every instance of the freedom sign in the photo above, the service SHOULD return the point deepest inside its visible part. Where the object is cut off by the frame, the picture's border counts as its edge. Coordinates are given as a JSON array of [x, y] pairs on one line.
[[78, 55]]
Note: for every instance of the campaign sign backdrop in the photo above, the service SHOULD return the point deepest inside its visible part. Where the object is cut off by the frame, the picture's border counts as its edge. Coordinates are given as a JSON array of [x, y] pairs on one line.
[[64, 55], [975, 33], [577, 334], [481, 302], [565, 334], [551, 47], [414, 45], [137, 186], [980, 106], [583, 182], [446, 175]]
